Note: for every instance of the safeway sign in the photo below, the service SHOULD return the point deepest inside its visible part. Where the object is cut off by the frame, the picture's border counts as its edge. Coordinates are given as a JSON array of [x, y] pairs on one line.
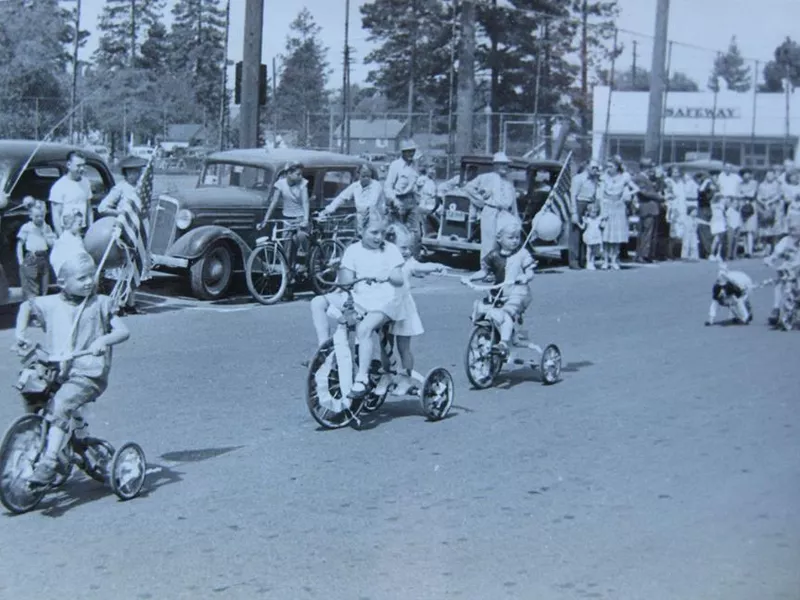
[[702, 113]]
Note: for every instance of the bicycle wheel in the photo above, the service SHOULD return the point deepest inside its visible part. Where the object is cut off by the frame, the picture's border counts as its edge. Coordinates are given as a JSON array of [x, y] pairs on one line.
[[437, 394], [21, 447], [128, 471], [267, 273], [323, 265], [96, 455], [324, 396], [481, 363]]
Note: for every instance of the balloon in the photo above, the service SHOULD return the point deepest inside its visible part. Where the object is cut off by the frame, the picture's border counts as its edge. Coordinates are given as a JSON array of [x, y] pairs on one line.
[[97, 239], [547, 226]]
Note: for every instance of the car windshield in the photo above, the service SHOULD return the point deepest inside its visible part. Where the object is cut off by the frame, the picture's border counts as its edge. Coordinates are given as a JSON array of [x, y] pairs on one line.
[[5, 170], [220, 175]]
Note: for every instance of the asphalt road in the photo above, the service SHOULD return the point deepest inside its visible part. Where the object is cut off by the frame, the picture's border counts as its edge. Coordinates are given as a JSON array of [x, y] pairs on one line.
[[663, 466]]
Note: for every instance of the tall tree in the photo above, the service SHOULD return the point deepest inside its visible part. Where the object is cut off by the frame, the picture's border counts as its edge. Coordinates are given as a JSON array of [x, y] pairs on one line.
[[33, 67], [731, 69], [786, 65], [301, 88], [624, 81], [413, 46], [124, 25], [197, 42]]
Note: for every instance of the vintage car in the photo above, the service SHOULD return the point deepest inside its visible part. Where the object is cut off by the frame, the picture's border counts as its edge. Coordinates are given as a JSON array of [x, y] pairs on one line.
[[450, 230], [30, 168], [207, 232]]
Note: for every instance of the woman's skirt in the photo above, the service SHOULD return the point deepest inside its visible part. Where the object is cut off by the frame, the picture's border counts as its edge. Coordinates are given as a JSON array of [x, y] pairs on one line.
[[616, 229]]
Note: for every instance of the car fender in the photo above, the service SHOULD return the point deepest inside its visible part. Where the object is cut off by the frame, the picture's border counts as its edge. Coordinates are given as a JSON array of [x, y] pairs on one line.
[[194, 243]]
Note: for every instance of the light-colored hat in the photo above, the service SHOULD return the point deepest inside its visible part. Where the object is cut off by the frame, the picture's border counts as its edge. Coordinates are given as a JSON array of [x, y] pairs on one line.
[[500, 158], [408, 146]]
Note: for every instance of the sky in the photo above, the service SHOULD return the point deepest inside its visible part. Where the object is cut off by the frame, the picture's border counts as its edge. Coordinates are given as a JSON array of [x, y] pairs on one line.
[[759, 26]]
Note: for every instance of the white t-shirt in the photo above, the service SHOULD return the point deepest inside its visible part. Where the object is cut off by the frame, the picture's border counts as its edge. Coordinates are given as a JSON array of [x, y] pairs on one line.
[[377, 264], [72, 195], [729, 184], [67, 246]]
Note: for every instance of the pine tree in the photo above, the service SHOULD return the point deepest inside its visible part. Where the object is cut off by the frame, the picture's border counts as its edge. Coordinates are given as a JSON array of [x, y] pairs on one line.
[[411, 37], [124, 25], [730, 68], [197, 52], [301, 96], [785, 65]]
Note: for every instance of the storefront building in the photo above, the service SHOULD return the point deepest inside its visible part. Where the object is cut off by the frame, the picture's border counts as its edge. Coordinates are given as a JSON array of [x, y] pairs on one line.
[[740, 128]]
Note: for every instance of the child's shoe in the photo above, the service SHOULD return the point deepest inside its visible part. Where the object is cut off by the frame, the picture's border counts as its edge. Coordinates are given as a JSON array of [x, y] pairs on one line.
[[590, 267], [43, 474], [502, 349], [774, 316], [358, 391]]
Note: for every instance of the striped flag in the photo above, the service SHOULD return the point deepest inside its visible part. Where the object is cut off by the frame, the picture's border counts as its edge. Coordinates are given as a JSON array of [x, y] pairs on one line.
[[558, 201], [133, 230]]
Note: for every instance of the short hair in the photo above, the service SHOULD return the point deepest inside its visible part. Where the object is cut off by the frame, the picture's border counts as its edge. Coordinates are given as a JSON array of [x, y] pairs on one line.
[[31, 203], [75, 261], [68, 218], [75, 153], [508, 223]]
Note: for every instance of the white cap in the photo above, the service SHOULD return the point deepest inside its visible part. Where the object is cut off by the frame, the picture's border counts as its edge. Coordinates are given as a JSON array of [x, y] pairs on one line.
[[407, 146], [500, 158]]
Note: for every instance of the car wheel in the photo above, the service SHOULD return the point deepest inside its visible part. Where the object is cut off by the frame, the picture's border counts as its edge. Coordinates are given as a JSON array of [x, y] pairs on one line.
[[211, 274]]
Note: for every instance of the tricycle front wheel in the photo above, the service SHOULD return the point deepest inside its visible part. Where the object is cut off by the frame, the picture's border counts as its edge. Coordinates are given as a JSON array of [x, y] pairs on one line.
[[550, 364], [128, 471], [20, 449], [324, 396], [482, 364], [437, 394]]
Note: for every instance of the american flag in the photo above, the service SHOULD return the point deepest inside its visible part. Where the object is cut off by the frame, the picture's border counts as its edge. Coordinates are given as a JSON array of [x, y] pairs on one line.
[[132, 221], [558, 201]]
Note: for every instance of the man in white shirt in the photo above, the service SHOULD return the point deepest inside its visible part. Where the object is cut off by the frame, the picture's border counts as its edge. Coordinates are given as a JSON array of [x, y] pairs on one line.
[[729, 183], [582, 193], [366, 193], [72, 193], [400, 186]]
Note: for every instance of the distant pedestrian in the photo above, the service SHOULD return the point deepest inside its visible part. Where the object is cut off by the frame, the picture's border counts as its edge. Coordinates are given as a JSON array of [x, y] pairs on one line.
[[649, 201], [690, 241], [400, 188], [616, 191], [748, 191], [34, 240], [72, 193], [583, 193], [592, 224], [733, 223], [718, 226], [705, 194]]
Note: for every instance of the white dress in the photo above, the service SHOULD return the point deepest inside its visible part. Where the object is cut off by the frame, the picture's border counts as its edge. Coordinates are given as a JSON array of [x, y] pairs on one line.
[[377, 263], [411, 324], [593, 234], [718, 221]]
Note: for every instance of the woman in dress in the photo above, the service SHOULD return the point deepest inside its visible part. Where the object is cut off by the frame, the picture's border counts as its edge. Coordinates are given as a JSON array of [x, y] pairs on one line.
[[676, 209], [615, 191]]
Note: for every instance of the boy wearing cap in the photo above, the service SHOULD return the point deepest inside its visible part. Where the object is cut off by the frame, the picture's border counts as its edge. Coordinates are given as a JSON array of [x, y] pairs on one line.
[[494, 194]]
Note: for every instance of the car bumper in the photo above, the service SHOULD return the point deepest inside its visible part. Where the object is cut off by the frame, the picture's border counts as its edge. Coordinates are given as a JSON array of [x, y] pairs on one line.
[[172, 262], [448, 245]]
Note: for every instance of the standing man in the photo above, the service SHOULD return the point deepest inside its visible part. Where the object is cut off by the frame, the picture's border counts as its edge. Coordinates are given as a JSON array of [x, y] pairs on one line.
[[121, 195], [494, 193], [72, 193], [582, 194], [649, 200], [400, 186], [729, 183]]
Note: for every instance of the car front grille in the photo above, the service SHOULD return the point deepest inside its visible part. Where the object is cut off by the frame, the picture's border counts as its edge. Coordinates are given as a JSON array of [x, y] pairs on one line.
[[455, 216], [162, 224]]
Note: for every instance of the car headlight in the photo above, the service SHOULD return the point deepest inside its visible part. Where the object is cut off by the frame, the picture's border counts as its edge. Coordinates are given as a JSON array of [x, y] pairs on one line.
[[183, 219]]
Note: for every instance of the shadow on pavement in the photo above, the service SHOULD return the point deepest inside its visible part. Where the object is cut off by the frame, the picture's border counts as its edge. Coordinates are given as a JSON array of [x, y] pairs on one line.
[[574, 367], [184, 456], [398, 409], [78, 492]]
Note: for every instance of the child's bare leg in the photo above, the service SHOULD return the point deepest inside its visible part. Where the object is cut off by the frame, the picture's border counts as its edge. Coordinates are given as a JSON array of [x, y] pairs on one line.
[[319, 316], [366, 346], [404, 349]]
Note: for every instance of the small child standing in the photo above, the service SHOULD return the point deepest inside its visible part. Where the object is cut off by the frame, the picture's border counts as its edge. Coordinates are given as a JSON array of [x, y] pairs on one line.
[[733, 221], [718, 227], [690, 241], [70, 243], [512, 265], [34, 240], [411, 325], [592, 224], [75, 320]]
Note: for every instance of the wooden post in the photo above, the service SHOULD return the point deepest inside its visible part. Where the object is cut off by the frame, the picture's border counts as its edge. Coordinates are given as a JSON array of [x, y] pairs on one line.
[[251, 66], [466, 80], [652, 140]]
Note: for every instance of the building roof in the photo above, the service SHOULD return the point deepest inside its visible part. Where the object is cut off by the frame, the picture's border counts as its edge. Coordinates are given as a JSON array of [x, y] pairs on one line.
[[185, 132], [373, 129], [261, 157]]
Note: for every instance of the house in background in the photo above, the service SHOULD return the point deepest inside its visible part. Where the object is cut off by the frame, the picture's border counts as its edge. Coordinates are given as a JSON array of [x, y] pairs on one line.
[[377, 136], [185, 135]]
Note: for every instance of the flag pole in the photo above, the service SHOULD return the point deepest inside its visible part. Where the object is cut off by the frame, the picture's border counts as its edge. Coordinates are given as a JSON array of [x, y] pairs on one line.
[[548, 203]]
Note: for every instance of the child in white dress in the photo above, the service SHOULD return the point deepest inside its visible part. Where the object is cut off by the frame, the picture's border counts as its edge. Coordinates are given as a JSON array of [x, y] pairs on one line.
[[592, 225], [733, 221], [690, 242], [718, 227], [411, 325], [379, 302]]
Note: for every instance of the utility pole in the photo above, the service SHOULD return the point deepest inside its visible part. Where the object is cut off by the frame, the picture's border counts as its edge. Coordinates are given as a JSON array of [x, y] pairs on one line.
[[346, 82], [633, 66], [223, 101], [495, 80], [412, 67], [74, 93], [132, 33], [652, 141], [451, 140], [584, 71], [466, 80], [274, 98], [251, 67]]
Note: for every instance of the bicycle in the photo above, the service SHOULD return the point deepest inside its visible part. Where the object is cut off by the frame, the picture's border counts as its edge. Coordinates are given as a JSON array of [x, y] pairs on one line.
[[124, 470], [331, 373], [483, 361], [267, 269]]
